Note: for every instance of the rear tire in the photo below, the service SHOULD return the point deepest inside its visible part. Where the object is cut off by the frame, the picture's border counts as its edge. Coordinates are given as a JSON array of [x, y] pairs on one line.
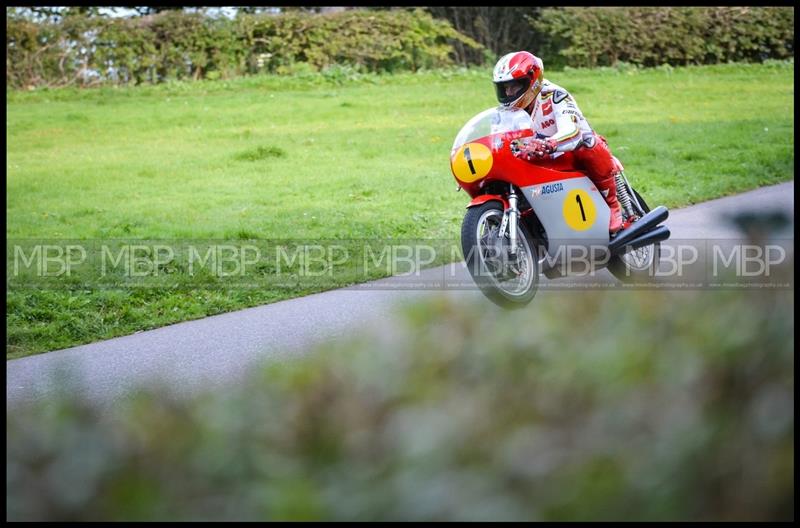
[[639, 265], [506, 282]]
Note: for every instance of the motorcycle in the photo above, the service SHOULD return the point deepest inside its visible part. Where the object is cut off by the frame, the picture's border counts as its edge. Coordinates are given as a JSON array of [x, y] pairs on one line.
[[529, 218]]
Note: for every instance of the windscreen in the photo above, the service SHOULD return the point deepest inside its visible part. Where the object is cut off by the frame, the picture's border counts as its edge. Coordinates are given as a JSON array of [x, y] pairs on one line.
[[497, 120]]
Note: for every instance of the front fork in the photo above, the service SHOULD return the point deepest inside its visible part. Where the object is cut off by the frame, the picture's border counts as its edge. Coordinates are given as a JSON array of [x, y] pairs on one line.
[[511, 222]]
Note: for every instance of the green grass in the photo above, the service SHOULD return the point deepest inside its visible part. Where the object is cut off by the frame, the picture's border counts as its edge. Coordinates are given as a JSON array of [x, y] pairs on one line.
[[306, 158]]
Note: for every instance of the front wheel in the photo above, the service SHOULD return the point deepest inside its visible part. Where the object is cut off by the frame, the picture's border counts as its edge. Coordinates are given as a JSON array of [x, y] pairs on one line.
[[507, 280]]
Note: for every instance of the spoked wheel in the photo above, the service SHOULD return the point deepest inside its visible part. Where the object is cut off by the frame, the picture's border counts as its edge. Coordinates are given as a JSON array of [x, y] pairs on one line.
[[639, 264], [507, 280]]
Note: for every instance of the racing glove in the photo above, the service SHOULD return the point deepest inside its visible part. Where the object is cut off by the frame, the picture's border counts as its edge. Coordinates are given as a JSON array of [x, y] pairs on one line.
[[533, 148]]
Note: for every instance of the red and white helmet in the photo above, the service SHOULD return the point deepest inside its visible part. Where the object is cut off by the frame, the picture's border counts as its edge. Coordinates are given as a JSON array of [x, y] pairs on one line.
[[518, 79]]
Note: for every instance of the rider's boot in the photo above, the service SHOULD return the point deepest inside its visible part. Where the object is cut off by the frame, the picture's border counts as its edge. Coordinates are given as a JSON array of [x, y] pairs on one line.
[[608, 188]]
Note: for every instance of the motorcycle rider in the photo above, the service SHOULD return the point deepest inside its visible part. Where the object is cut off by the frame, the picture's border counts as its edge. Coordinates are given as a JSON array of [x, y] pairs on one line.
[[558, 122]]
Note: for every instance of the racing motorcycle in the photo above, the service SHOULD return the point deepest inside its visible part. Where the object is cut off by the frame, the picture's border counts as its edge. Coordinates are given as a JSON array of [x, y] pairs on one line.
[[545, 217]]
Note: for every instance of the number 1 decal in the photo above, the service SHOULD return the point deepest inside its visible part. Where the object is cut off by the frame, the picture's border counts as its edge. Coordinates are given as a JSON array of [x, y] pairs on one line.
[[579, 211], [471, 162], [468, 157], [583, 214]]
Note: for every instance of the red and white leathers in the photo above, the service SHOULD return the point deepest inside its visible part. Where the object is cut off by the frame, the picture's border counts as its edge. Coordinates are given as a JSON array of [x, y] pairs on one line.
[[558, 121]]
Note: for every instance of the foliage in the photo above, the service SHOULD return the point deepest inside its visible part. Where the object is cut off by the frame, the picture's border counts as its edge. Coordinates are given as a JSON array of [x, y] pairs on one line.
[[501, 29], [79, 47], [657, 406], [650, 36], [50, 54], [367, 40], [84, 50]]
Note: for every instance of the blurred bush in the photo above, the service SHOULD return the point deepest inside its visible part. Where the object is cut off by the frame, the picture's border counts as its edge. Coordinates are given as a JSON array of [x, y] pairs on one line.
[[651, 36], [635, 405]]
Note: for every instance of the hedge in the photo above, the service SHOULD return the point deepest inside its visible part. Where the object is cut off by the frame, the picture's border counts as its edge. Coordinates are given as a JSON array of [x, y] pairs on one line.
[[652, 36], [86, 50], [81, 50]]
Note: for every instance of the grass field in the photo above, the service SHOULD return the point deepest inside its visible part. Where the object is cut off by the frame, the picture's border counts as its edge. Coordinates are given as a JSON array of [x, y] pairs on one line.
[[310, 158]]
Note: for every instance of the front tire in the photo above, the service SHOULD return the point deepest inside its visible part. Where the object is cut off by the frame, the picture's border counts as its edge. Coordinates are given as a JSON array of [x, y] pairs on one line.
[[508, 282]]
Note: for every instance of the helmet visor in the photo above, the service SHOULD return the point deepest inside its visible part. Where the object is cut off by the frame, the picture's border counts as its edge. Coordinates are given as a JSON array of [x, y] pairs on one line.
[[510, 91]]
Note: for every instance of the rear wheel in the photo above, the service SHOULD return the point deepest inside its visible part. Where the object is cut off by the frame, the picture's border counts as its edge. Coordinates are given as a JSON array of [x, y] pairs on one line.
[[508, 281], [640, 264]]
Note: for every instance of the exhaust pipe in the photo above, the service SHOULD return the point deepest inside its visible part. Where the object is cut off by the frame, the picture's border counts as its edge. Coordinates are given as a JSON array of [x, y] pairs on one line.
[[639, 228], [656, 235]]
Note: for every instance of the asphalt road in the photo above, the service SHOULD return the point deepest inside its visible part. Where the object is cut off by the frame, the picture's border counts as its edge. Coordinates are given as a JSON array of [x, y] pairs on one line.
[[211, 352]]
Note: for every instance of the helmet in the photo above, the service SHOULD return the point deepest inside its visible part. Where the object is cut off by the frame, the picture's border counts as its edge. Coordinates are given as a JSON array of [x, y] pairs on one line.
[[518, 78]]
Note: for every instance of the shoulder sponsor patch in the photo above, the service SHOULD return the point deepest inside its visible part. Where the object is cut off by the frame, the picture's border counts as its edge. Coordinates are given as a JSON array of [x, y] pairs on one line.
[[559, 96]]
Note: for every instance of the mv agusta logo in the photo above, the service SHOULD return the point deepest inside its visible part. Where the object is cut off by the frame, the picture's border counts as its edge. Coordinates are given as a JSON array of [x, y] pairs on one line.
[[547, 189]]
